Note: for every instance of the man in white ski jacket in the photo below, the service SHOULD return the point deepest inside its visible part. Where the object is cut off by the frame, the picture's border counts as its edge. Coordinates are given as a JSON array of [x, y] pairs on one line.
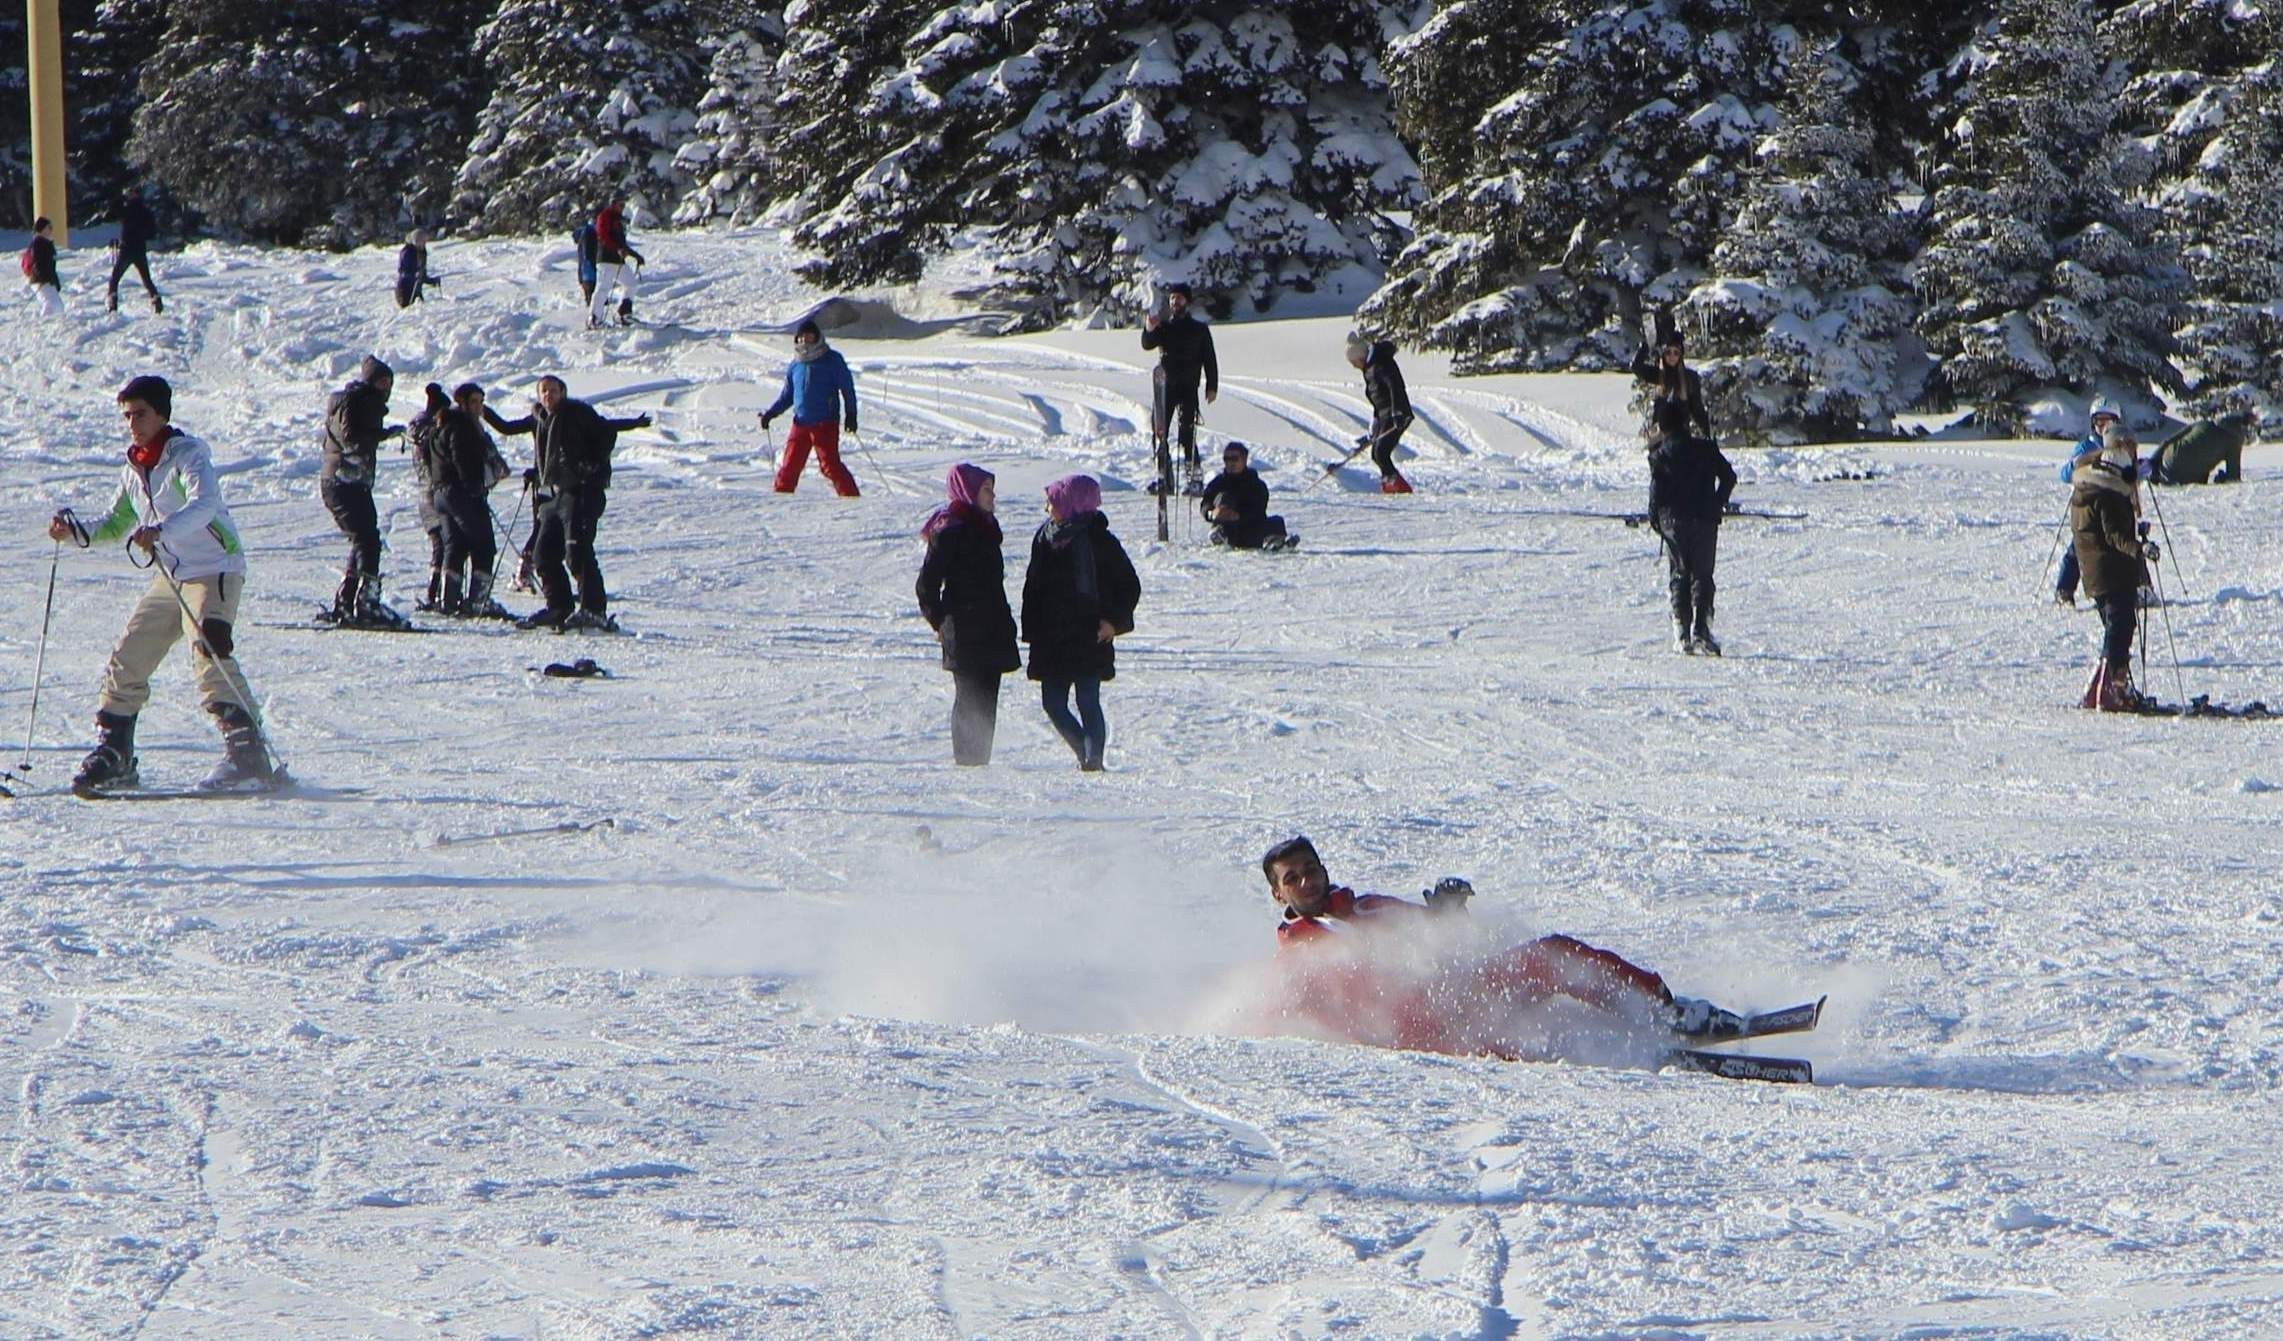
[[169, 506]]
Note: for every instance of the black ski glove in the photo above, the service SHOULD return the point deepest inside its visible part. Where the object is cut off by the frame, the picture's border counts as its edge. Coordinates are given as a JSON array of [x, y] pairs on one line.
[[530, 476], [642, 421], [1449, 895], [849, 424], [765, 418]]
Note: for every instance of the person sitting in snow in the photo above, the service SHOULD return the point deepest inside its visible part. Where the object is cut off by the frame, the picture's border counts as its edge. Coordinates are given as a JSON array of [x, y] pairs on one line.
[[2104, 521], [1390, 407], [1236, 503], [1370, 968], [2103, 417], [2209, 451]]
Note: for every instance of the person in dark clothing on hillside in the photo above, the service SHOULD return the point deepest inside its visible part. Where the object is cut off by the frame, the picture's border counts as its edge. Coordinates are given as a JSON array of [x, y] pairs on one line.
[[464, 466], [590, 255], [421, 434], [1236, 503], [412, 278], [962, 592], [1185, 354], [1668, 378], [136, 228], [40, 271], [1078, 594], [2209, 451], [1390, 407], [572, 448], [354, 431], [612, 252], [2104, 517], [1689, 484]]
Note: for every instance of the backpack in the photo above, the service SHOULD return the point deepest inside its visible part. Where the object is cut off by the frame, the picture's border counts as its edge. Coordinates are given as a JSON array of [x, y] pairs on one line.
[[30, 263]]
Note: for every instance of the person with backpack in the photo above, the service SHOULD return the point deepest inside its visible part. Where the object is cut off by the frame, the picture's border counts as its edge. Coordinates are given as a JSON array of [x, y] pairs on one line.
[[962, 593], [1390, 406], [412, 277], [572, 444], [583, 239], [169, 505], [2112, 557], [1689, 484], [355, 427], [1236, 504], [38, 265], [821, 393], [1185, 355], [612, 252], [1079, 594], [133, 249]]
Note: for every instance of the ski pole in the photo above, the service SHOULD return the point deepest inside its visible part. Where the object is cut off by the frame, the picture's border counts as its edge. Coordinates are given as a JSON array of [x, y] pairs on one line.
[[40, 661], [2157, 506], [887, 486], [198, 641], [2179, 683], [2061, 529]]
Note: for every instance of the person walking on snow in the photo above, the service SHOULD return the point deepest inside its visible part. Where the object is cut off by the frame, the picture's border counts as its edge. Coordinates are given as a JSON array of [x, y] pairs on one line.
[[1236, 503], [1185, 354], [2101, 419], [962, 591], [1689, 484], [412, 278], [169, 505], [39, 268], [136, 228], [1390, 407], [1078, 595], [572, 443], [354, 431], [612, 251], [2112, 555], [1370, 968], [821, 393]]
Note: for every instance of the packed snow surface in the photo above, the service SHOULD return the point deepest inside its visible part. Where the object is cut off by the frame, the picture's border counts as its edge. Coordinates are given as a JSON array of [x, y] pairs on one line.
[[821, 1036]]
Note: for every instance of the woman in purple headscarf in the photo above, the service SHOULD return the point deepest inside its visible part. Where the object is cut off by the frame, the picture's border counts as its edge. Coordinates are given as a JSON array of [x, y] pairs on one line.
[[963, 592], [1079, 594]]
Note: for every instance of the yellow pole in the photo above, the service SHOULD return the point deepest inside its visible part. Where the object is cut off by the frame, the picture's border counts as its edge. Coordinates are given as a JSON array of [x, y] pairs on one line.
[[44, 63]]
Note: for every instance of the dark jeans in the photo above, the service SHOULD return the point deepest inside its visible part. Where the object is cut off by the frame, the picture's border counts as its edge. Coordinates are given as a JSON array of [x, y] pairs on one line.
[[1692, 545], [468, 537], [2066, 584], [566, 541], [141, 262], [1383, 452], [1174, 403], [352, 509], [2120, 619], [974, 717], [1087, 734], [1248, 535]]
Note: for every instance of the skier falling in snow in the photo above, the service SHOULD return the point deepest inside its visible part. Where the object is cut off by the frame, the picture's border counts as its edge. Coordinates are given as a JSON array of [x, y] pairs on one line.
[[1369, 968], [169, 505], [1185, 355]]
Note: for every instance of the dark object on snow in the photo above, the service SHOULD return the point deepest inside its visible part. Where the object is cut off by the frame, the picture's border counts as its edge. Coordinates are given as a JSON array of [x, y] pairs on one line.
[[2205, 452], [582, 669]]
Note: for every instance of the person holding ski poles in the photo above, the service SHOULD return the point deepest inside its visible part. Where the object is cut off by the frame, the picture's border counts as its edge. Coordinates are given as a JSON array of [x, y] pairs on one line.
[[821, 393], [1689, 484], [412, 278], [571, 448], [1390, 406], [1185, 354], [2104, 517], [2104, 416], [612, 251], [590, 256], [354, 431], [464, 465], [169, 506]]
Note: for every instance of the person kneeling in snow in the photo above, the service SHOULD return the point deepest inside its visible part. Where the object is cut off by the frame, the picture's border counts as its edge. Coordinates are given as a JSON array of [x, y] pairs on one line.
[[1368, 968], [1236, 503]]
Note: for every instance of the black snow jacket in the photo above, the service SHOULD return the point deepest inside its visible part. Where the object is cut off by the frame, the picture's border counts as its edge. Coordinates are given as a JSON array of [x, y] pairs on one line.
[[463, 456], [43, 261], [136, 227], [1185, 351], [572, 446], [1383, 387], [354, 420], [1245, 491], [1068, 591], [962, 591], [1689, 477], [1648, 370]]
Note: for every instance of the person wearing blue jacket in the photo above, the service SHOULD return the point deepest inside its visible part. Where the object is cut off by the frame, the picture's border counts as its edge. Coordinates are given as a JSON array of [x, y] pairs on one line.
[[817, 387], [2104, 415]]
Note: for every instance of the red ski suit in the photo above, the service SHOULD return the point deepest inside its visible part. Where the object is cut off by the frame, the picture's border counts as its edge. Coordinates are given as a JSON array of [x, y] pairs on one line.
[[1466, 1008]]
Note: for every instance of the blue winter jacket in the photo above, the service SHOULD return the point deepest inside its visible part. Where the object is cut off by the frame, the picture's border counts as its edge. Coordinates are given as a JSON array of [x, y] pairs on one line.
[[816, 390]]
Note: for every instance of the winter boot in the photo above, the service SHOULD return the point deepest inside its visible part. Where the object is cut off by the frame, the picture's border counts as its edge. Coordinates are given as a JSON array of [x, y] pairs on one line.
[[593, 621], [1394, 484], [543, 619], [435, 599], [523, 578], [1705, 642], [245, 765], [626, 311], [1699, 1020], [345, 598], [371, 612], [454, 601], [1684, 639], [158, 306], [2112, 690], [480, 603], [111, 763]]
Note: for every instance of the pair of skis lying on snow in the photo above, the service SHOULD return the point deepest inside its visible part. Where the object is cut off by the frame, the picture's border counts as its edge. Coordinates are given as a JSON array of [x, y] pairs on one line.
[[1740, 1066]]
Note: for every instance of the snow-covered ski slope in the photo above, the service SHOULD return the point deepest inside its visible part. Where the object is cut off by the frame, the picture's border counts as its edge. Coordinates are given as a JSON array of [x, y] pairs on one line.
[[826, 1038]]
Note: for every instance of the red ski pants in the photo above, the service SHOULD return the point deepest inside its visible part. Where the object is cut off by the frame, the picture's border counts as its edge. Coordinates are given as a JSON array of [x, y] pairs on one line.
[[825, 438]]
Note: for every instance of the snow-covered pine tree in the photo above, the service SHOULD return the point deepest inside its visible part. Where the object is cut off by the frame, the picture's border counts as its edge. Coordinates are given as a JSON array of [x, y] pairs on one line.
[[110, 42], [2231, 347], [15, 124], [1105, 148], [305, 121], [1808, 338], [587, 101], [729, 157], [2042, 270], [1606, 173]]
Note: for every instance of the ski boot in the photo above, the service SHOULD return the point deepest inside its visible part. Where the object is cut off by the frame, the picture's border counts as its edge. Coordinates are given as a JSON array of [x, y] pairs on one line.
[[158, 306], [111, 764], [480, 604], [370, 612], [245, 765], [1705, 642], [1219, 536], [1394, 484], [626, 311], [1698, 1020], [2111, 690], [542, 619], [439, 599], [589, 621], [1194, 485]]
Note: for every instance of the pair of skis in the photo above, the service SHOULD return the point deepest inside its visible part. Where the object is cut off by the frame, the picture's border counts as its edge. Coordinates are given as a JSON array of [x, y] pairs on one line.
[[1742, 1066]]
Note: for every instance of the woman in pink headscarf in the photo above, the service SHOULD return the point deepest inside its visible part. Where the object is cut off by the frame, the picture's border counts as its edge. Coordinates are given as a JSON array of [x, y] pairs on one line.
[[1079, 594], [963, 592]]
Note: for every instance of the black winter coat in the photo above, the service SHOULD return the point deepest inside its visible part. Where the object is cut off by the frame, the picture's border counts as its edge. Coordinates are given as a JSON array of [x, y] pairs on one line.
[[1185, 350], [572, 446], [1383, 387], [462, 455], [1647, 369], [1061, 621], [354, 418], [135, 228], [962, 590], [43, 262], [1247, 492], [1689, 477]]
